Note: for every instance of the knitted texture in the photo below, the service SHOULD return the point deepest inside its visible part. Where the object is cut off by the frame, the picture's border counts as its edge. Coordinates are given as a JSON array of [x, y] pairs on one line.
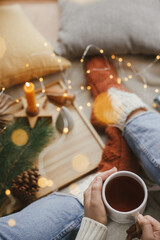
[[91, 230], [116, 152]]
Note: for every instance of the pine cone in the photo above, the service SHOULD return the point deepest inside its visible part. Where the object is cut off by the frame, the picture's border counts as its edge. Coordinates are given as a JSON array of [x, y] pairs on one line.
[[26, 185]]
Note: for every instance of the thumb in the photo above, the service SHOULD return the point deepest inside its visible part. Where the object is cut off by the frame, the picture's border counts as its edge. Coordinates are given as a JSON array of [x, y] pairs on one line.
[[147, 231]]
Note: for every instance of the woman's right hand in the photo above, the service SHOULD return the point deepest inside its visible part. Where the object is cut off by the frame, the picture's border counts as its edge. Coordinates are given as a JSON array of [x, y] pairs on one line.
[[150, 227]]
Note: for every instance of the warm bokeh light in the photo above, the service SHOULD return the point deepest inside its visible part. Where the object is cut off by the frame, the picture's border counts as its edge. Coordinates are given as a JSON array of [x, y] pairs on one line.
[[74, 189], [19, 137], [80, 163], [119, 80], [7, 192], [89, 88], [113, 57], [65, 130], [154, 105], [42, 182], [11, 222], [50, 183]]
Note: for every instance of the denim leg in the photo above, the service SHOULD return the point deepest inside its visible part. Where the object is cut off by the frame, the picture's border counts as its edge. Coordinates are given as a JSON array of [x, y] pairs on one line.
[[142, 134], [55, 217]]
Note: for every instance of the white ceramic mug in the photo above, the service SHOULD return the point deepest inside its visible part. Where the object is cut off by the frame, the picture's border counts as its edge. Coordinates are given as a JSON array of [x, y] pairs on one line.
[[120, 216]]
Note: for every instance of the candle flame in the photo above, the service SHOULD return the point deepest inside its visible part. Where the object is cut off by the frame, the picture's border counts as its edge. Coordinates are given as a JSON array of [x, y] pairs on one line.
[[27, 84]]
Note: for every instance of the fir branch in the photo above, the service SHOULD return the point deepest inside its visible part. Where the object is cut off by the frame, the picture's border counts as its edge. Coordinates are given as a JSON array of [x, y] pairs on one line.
[[16, 159]]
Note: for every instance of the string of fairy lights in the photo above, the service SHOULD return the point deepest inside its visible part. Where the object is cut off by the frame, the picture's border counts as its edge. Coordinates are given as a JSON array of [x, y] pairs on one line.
[[121, 62]]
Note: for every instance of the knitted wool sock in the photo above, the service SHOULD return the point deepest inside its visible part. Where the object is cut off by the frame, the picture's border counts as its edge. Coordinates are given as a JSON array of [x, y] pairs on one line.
[[114, 103], [116, 152]]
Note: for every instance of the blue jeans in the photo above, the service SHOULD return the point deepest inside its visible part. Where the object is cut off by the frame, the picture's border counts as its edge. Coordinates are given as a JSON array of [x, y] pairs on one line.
[[142, 134], [55, 217]]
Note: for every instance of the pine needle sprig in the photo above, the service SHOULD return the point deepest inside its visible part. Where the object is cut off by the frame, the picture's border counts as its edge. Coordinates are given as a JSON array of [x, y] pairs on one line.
[[16, 159]]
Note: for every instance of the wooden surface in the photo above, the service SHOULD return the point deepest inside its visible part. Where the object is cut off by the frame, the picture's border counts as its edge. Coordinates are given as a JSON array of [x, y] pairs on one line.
[[68, 157]]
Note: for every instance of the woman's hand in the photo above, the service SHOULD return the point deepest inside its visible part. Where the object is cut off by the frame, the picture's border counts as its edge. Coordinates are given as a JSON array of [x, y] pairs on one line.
[[150, 229], [93, 204]]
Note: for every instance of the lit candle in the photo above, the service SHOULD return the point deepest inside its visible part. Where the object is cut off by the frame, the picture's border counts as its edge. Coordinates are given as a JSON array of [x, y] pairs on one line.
[[30, 97]]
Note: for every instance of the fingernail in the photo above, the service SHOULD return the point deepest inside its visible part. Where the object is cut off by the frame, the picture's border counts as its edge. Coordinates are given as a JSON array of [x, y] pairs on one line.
[[140, 217]]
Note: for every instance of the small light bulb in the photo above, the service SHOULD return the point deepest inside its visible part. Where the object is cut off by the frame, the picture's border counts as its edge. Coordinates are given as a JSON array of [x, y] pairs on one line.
[[41, 79], [65, 130], [17, 100], [101, 51], [45, 44], [126, 79], [69, 81], [65, 94], [7, 192], [88, 71], [27, 65], [43, 90], [70, 87], [88, 104], [3, 89], [154, 105], [113, 57], [58, 109], [111, 76], [27, 84], [80, 107], [158, 57], [130, 76], [129, 64], [145, 85], [88, 88], [59, 60], [156, 90], [11, 222], [119, 80], [82, 87], [120, 59], [82, 60]]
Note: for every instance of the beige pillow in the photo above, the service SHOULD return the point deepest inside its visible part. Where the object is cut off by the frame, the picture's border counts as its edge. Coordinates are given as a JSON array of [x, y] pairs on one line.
[[24, 53]]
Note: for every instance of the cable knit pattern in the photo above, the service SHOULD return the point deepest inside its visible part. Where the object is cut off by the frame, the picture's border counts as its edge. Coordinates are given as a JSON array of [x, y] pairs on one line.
[[91, 230]]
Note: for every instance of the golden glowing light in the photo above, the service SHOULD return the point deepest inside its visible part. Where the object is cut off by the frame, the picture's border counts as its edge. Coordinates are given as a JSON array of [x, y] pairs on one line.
[[70, 87], [65, 130], [82, 60], [82, 87], [157, 90], [58, 109], [129, 64], [19, 137], [41, 79], [43, 90], [80, 107], [88, 104], [7, 192], [113, 57], [50, 183], [17, 100], [145, 85], [65, 94], [59, 60], [3, 47], [158, 57], [80, 163], [74, 189], [27, 65], [42, 182], [111, 76], [130, 76], [101, 51], [3, 89], [11, 222], [126, 79], [119, 80], [154, 105], [88, 87], [69, 81], [88, 71], [120, 59], [45, 44], [27, 84]]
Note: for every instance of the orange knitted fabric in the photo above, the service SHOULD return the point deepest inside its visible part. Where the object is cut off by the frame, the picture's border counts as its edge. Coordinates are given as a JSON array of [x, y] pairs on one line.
[[101, 77]]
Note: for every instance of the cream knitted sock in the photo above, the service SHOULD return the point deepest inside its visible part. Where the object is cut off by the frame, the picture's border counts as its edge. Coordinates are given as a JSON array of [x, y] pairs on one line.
[[123, 103]]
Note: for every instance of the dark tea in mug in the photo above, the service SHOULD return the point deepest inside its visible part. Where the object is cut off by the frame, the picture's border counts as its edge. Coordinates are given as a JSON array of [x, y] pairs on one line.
[[124, 193]]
